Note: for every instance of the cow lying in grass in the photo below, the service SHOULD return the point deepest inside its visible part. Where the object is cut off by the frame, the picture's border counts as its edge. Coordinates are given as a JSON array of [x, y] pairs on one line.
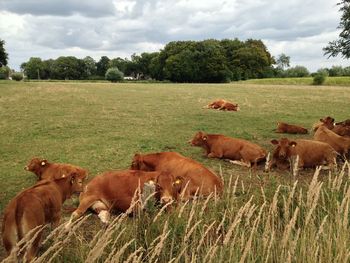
[[283, 127], [197, 179], [310, 154], [117, 190], [340, 128], [223, 105], [43, 169], [34, 207], [339, 143], [239, 151]]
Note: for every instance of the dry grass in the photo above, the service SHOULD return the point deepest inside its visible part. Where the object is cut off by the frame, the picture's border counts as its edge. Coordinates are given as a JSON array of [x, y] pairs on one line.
[[308, 223]]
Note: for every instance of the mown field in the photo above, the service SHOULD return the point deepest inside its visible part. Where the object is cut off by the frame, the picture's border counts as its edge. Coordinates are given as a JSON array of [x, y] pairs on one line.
[[99, 126]]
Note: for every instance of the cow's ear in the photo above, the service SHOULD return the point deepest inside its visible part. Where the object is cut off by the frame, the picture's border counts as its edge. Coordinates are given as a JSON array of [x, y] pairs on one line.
[[322, 120], [274, 141], [292, 143], [43, 163], [73, 178]]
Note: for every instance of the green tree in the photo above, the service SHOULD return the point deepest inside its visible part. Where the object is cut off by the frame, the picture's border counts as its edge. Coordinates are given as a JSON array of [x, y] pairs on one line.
[[3, 54], [283, 61], [341, 45], [89, 66], [118, 63], [33, 68], [114, 75], [102, 66], [4, 72], [67, 68], [297, 72], [336, 71]]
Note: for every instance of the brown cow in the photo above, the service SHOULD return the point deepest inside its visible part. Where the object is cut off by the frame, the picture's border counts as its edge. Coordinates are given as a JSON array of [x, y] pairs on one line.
[[195, 176], [223, 105], [46, 170], [36, 206], [283, 127], [311, 153], [340, 144], [344, 123], [115, 190], [341, 130], [240, 151], [326, 121]]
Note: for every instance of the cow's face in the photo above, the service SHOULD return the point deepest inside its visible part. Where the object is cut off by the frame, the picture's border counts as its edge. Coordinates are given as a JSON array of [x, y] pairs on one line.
[[36, 165], [199, 139], [168, 187], [76, 181], [328, 122], [283, 149], [139, 164]]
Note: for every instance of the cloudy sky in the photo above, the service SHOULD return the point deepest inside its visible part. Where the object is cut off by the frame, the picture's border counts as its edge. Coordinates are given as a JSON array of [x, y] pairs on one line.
[[118, 28]]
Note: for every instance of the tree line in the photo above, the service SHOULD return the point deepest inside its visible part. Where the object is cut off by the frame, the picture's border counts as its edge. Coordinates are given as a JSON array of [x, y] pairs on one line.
[[180, 61]]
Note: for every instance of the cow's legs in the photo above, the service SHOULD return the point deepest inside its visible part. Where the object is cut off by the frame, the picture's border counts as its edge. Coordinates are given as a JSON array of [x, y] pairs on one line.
[[85, 203]]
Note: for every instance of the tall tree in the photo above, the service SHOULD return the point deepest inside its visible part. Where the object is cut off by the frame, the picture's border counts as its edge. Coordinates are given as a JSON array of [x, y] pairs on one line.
[[283, 61], [102, 66], [341, 45], [3, 54]]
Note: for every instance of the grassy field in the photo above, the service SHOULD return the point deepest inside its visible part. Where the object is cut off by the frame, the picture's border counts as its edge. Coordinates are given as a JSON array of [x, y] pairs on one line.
[[100, 126], [330, 81]]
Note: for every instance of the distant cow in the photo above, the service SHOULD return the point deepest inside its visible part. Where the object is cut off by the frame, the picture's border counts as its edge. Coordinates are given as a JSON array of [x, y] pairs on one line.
[[339, 143], [195, 176], [36, 206], [115, 191], [223, 105], [311, 153], [43, 169], [240, 151], [283, 127]]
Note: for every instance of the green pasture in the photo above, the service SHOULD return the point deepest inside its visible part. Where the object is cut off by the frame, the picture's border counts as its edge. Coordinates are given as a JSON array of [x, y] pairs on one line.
[[100, 126], [330, 81]]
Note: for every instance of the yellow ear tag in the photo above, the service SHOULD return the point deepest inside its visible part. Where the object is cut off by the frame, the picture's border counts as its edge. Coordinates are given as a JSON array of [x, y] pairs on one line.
[[43, 163], [177, 181]]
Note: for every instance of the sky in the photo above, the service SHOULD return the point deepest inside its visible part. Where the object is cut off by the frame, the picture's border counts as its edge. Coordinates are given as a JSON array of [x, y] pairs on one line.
[[119, 28]]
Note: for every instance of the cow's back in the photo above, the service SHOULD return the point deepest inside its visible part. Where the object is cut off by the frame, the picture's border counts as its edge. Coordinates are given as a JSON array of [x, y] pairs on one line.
[[313, 152], [340, 144], [199, 175]]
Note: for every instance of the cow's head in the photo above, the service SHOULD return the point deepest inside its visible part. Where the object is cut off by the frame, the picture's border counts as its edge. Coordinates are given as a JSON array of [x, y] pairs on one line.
[[328, 122], [283, 149], [168, 187], [138, 163], [36, 165], [75, 180], [199, 139]]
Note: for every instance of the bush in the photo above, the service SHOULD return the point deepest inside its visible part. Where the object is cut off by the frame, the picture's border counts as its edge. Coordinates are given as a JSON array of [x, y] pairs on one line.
[[319, 78], [4, 72], [114, 75], [18, 76], [297, 72]]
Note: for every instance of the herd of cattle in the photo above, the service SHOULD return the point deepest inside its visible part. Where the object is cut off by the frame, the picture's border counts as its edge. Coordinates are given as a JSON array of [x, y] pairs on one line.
[[171, 177]]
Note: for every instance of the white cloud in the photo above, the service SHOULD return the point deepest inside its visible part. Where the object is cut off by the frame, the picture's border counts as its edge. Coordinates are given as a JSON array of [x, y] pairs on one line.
[[49, 29]]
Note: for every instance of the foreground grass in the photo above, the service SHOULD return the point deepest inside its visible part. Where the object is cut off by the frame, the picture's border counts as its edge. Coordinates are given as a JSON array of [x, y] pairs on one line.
[[330, 81], [99, 126], [308, 224]]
